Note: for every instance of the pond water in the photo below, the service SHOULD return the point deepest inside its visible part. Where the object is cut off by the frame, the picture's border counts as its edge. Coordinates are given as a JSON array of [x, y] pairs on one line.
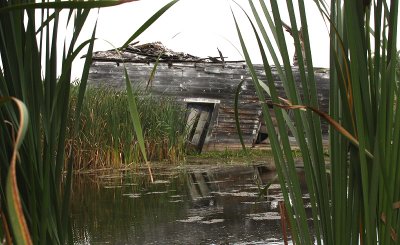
[[185, 205]]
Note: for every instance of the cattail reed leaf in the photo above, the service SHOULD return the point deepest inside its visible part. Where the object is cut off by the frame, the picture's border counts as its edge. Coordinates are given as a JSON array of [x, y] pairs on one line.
[[150, 21], [359, 182], [153, 71], [65, 5], [236, 109], [136, 121], [325, 116], [14, 204], [31, 65]]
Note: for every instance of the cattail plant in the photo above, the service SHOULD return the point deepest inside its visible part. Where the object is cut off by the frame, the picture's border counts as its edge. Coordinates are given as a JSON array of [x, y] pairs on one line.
[[354, 192], [34, 184]]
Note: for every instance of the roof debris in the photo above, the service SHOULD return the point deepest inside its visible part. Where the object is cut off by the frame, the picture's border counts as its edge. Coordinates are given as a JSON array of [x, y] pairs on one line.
[[149, 52]]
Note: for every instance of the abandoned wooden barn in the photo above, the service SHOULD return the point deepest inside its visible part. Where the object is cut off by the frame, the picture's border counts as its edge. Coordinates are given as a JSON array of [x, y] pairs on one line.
[[206, 86]]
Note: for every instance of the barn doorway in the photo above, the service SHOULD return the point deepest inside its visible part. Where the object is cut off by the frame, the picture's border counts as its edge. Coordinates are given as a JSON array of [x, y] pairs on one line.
[[200, 114]]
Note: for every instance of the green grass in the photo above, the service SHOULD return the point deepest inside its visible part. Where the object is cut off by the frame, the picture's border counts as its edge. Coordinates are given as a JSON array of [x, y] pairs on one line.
[[238, 154], [107, 136]]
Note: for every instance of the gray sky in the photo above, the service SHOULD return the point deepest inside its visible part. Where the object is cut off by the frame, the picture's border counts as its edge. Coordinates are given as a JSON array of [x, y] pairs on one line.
[[201, 25]]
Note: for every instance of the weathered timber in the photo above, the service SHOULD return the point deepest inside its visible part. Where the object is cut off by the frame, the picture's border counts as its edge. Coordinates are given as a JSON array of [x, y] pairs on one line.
[[189, 78]]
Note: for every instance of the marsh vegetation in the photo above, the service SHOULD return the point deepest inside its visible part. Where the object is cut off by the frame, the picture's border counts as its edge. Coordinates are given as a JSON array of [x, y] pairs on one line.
[[35, 85], [107, 136], [353, 196]]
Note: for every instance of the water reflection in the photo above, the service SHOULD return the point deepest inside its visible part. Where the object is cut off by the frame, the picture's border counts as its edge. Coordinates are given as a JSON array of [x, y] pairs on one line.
[[194, 205]]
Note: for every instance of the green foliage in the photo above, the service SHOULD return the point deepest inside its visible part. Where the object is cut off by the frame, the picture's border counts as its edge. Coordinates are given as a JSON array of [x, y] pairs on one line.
[[24, 43], [31, 65], [233, 154], [355, 202], [107, 137], [17, 219], [398, 68]]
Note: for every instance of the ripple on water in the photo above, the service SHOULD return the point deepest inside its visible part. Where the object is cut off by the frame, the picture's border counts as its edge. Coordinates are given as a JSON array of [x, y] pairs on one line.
[[191, 219], [237, 194], [111, 176], [278, 197], [161, 182], [255, 203], [216, 182], [264, 216], [274, 186], [176, 196], [200, 219], [175, 201], [156, 192], [249, 186], [132, 195], [212, 221], [206, 211], [130, 184], [112, 186], [270, 241]]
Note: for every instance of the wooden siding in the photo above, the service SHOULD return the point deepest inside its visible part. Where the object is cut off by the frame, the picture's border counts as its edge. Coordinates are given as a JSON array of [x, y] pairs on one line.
[[207, 81]]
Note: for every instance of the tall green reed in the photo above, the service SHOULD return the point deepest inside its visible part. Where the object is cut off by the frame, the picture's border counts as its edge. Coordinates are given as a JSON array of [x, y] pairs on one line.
[[30, 61], [107, 135], [24, 44], [353, 194]]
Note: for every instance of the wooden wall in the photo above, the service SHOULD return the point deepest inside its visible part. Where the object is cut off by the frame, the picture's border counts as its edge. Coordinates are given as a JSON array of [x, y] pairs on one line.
[[205, 81]]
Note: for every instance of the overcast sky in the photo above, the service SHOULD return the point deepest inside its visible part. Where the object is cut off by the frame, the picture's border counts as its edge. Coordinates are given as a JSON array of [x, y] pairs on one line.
[[197, 27], [201, 25]]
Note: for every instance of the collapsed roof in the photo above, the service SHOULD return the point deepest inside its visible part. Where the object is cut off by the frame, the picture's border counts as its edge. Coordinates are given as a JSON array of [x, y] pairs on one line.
[[149, 52]]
